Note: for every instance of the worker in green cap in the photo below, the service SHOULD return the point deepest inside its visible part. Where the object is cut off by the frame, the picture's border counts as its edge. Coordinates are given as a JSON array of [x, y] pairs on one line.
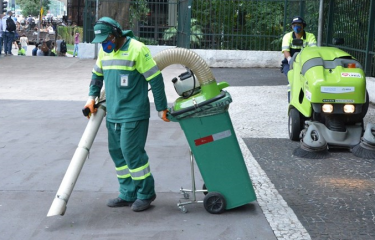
[[126, 68]]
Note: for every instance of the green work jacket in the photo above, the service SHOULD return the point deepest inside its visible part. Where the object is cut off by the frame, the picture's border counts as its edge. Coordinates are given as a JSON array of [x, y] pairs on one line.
[[126, 74], [287, 44]]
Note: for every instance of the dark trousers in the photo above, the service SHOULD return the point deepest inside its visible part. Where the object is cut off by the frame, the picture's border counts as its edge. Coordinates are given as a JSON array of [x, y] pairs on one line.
[[1, 44], [285, 67], [8, 40], [285, 70]]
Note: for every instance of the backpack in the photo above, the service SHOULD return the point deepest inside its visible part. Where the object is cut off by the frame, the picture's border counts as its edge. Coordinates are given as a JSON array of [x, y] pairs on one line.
[[63, 47], [11, 26]]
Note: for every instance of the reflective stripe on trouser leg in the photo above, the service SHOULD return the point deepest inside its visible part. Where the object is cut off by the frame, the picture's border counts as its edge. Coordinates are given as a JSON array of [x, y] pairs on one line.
[[133, 141], [127, 188], [132, 144]]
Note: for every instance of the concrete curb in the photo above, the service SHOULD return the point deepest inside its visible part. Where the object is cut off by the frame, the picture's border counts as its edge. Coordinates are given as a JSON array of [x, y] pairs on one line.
[[228, 58]]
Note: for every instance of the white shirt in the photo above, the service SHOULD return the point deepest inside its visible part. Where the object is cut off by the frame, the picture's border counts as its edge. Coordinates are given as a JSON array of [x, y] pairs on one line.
[[24, 41], [4, 22]]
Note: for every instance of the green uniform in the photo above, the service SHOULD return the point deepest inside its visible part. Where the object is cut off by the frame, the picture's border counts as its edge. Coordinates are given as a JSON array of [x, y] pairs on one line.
[[126, 74], [21, 52], [287, 45]]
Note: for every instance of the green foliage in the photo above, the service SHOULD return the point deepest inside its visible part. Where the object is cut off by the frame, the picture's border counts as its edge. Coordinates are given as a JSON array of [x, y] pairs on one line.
[[67, 33], [32, 7], [230, 24], [138, 11], [196, 33], [148, 41]]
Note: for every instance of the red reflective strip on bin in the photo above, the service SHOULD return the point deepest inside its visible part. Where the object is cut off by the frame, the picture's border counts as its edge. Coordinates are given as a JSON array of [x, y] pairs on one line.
[[213, 137]]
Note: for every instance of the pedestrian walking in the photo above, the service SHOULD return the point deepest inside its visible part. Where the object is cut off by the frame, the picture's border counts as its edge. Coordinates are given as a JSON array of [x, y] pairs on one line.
[[24, 41], [76, 42]]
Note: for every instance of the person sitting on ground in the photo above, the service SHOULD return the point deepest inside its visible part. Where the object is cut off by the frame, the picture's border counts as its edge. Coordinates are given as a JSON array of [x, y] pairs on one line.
[[39, 51], [35, 50], [21, 51]]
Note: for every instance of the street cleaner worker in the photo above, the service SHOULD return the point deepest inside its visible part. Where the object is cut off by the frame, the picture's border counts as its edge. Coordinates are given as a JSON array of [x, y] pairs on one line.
[[288, 49], [126, 67]]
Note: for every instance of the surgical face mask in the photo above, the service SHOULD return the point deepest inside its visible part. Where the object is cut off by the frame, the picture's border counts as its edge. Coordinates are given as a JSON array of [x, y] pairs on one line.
[[108, 46], [297, 29]]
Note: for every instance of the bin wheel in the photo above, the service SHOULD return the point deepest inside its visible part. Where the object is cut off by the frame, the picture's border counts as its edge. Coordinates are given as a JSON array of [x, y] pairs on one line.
[[204, 188], [214, 203]]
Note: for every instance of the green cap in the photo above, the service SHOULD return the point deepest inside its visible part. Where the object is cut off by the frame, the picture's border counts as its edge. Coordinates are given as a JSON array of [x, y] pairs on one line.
[[103, 28]]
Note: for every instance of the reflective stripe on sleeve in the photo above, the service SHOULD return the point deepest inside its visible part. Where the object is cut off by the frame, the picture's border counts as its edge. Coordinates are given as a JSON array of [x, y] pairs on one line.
[[97, 70], [117, 62], [141, 172], [151, 72], [123, 172]]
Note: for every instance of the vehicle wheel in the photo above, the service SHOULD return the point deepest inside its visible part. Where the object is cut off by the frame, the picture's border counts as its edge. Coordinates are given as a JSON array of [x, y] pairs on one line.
[[204, 188], [214, 203], [294, 124]]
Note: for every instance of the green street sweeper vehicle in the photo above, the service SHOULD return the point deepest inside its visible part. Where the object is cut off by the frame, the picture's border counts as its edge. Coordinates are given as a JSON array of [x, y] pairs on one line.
[[328, 102]]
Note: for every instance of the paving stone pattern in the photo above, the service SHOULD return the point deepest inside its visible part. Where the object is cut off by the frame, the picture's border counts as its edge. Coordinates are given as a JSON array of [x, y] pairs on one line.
[[334, 198]]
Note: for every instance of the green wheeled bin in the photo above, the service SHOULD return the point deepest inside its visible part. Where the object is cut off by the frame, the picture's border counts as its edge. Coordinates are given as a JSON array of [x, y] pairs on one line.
[[213, 143]]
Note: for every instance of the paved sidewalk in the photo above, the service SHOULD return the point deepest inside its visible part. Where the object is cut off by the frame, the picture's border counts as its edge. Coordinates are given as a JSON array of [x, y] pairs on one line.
[[41, 125]]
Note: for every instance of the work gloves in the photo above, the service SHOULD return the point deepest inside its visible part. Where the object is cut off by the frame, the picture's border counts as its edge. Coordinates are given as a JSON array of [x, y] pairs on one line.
[[163, 115], [90, 104]]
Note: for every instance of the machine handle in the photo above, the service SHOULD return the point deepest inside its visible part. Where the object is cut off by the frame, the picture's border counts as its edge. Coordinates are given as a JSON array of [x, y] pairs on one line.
[[86, 111]]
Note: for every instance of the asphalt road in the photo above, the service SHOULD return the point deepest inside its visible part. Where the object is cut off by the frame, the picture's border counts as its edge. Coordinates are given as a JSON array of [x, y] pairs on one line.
[[41, 124]]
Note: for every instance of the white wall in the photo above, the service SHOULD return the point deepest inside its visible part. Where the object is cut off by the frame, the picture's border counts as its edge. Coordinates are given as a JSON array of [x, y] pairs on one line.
[[214, 58], [227, 58]]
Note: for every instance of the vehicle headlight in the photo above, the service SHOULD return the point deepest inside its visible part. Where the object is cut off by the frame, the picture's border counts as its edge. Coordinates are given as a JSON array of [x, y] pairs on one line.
[[349, 108], [327, 108]]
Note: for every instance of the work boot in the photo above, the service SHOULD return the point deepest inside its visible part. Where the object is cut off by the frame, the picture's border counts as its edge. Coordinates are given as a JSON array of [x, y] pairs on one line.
[[118, 202], [142, 204]]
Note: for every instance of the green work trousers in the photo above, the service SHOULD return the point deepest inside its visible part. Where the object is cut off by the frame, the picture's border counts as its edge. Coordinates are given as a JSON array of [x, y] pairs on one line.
[[126, 144]]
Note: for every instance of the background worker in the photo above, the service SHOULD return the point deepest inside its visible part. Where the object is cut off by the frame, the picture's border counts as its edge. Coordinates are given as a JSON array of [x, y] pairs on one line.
[[126, 67], [288, 49]]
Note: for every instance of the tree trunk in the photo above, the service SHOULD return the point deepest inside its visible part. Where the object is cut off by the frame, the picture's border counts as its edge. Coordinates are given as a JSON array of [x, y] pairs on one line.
[[118, 10]]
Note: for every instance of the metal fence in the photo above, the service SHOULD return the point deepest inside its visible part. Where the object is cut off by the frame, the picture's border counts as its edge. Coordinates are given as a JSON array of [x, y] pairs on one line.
[[248, 24]]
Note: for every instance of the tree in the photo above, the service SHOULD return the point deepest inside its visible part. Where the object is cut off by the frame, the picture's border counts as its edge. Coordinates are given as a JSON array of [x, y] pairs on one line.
[[118, 11], [228, 24], [127, 13], [196, 33], [32, 7]]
